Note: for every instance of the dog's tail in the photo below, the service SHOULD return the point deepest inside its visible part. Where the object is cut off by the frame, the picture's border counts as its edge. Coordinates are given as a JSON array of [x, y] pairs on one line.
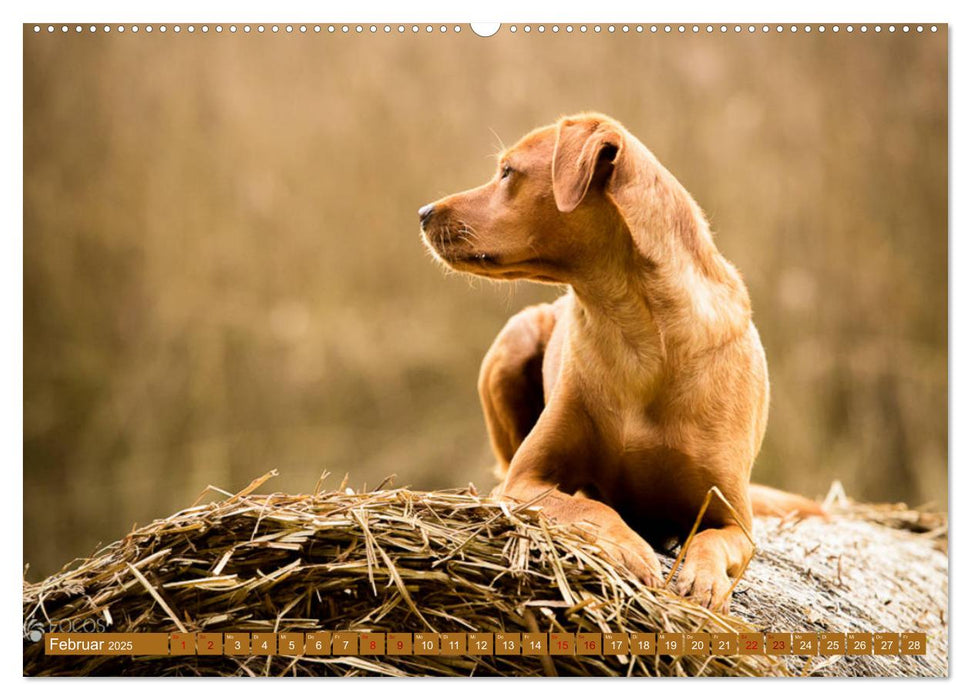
[[769, 501]]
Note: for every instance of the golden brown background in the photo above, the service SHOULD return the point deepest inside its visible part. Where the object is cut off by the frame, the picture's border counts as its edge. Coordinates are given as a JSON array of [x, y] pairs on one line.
[[223, 274]]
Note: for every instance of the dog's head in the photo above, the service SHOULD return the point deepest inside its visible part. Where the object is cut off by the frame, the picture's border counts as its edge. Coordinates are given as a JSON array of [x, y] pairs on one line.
[[550, 212]]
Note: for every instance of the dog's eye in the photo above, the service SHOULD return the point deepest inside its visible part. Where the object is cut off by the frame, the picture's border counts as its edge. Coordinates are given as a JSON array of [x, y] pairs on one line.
[[505, 172]]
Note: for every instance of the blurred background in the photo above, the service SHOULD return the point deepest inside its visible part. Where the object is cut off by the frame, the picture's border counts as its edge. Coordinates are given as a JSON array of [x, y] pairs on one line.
[[223, 273]]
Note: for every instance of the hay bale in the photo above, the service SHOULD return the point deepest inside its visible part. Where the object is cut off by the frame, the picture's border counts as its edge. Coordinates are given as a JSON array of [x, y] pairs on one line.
[[404, 561]]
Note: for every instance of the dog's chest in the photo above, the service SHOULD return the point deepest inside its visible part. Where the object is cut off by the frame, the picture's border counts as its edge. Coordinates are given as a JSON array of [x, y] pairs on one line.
[[618, 371], [640, 421]]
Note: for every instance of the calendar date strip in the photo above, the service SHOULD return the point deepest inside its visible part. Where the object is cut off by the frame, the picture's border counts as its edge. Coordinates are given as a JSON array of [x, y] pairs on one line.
[[485, 644]]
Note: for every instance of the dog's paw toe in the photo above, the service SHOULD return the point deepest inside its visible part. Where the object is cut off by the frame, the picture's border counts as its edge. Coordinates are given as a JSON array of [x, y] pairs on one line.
[[706, 586], [647, 569], [639, 558]]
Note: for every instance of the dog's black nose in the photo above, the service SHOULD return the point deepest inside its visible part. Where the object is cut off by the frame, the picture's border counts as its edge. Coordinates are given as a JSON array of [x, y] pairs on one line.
[[425, 213]]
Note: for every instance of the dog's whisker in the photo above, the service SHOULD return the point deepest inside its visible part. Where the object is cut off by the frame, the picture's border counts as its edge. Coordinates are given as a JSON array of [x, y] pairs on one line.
[[502, 146], [467, 230]]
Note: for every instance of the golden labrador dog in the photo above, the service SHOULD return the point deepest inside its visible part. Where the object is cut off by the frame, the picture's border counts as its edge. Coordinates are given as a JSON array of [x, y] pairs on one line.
[[621, 404]]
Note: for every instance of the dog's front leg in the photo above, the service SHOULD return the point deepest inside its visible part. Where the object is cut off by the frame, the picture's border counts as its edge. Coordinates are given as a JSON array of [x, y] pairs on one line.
[[714, 558], [548, 469]]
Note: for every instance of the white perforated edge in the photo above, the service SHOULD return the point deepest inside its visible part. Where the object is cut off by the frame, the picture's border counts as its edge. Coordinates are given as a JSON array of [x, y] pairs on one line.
[[510, 29]]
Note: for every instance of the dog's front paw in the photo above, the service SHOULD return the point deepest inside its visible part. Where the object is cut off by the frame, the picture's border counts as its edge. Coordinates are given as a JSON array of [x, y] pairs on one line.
[[704, 579], [636, 555]]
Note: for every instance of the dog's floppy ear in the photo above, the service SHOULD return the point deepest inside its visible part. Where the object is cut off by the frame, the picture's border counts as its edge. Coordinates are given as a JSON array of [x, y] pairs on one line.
[[585, 153]]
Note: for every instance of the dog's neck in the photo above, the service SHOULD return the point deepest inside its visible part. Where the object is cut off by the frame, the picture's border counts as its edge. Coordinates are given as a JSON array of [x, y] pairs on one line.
[[614, 334], [616, 304], [698, 297], [665, 297]]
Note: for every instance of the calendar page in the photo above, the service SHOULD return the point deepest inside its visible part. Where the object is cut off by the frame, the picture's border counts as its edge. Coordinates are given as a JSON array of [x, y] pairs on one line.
[[515, 349]]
